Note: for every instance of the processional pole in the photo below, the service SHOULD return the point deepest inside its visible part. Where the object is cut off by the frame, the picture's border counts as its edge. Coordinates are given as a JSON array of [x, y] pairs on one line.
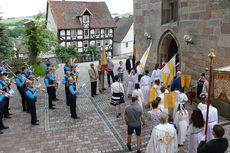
[[211, 55]]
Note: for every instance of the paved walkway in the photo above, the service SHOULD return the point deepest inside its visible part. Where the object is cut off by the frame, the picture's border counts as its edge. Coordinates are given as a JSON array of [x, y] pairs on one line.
[[97, 130]]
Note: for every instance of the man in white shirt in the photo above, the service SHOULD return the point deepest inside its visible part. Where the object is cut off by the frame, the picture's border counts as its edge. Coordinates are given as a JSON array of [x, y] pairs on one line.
[[163, 138]]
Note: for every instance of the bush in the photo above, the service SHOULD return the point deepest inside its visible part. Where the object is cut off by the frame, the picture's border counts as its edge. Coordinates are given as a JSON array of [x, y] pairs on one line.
[[39, 69]]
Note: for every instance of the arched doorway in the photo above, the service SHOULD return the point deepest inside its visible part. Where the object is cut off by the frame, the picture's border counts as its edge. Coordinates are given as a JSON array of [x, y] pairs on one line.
[[167, 48]]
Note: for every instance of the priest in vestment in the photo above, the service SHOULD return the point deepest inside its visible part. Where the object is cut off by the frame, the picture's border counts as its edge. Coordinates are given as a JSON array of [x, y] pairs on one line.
[[163, 138]]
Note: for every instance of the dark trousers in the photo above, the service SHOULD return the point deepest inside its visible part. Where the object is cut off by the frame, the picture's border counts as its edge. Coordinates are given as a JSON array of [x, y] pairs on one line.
[[72, 102], [54, 97], [50, 91], [93, 88], [67, 94], [6, 108], [22, 93], [110, 73], [33, 112], [2, 105]]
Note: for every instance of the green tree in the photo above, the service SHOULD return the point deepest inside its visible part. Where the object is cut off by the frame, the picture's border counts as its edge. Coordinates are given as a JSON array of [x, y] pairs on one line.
[[38, 39], [93, 51], [16, 31], [6, 49], [70, 51]]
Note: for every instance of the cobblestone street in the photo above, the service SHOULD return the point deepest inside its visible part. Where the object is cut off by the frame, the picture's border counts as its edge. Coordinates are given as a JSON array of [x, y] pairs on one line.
[[97, 130]]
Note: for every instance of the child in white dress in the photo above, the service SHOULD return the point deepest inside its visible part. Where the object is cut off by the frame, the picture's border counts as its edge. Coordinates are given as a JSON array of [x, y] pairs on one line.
[[130, 84], [182, 121]]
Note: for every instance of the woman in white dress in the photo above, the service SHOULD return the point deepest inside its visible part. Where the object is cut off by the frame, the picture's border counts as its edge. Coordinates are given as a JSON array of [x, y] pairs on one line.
[[117, 91], [156, 74], [130, 83], [138, 68], [161, 95], [195, 130], [158, 86], [135, 77], [137, 92], [145, 84], [182, 121]]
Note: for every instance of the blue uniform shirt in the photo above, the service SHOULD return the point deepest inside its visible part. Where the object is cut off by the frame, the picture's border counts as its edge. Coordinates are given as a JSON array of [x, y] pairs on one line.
[[20, 81], [47, 81], [30, 94], [2, 97], [4, 83], [64, 79], [71, 89], [52, 75], [67, 67]]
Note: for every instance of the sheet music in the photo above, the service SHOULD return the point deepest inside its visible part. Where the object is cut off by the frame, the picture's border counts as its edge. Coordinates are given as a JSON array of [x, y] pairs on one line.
[[11, 91]]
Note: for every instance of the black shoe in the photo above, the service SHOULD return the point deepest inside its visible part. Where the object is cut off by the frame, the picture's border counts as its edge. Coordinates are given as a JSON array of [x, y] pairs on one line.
[[104, 89], [4, 127], [95, 94], [100, 91], [129, 146], [7, 116], [53, 105], [138, 151], [119, 114], [34, 123], [52, 108], [1, 132], [75, 117]]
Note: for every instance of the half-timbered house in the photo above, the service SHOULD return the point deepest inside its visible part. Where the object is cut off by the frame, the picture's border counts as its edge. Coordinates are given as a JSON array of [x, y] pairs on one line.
[[81, 23]]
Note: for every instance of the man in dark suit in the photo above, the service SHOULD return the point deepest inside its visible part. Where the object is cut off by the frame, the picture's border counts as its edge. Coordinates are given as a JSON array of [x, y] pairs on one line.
[[129, 64], [217, 145]]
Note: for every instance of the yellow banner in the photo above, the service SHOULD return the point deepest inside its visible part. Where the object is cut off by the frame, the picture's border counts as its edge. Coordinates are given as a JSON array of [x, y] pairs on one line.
[[152, 94], [167, 79], [169, 100], [185, 81]]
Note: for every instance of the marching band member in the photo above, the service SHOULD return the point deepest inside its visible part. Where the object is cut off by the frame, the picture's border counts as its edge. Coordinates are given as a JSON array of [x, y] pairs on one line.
[[25, 73], [49, 82], [65, 82], [2, 105], [73, 70], [48, 64], [31, 97], [72, 98], [66, 67], [5, 87], [20, 82], [52, 75]]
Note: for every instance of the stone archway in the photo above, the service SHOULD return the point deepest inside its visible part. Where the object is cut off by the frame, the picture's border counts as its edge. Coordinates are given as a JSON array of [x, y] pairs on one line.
[[168, 47]]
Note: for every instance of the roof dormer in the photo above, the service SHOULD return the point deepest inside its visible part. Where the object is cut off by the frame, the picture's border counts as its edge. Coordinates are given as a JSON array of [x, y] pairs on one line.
[[84, 17]]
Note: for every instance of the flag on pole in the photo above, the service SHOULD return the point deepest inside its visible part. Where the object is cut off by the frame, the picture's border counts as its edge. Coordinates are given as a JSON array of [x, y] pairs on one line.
[[134, 53], [104, 63], [145, 56], [169, 68]]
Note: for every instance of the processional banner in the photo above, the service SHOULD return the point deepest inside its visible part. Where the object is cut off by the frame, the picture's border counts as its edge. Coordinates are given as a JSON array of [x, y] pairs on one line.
[[222, 86]]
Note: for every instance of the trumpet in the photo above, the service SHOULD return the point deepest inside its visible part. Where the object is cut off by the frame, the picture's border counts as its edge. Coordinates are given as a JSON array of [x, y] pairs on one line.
[[75, 80], [10, 80], [4, 93]]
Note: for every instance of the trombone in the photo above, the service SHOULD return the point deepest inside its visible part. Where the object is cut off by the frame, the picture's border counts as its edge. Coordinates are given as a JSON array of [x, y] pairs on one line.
[[4, 93]]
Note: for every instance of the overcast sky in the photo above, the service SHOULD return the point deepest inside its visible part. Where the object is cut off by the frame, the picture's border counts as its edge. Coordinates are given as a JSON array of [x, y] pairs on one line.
[[18, 8]]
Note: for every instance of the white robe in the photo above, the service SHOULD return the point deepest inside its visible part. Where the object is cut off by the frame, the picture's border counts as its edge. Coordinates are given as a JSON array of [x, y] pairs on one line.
[[135, 78], [212, 120], [145, 84], [139, 70], [182, 121], [156, 75], [130, 85], [139, 94], [161, 105], [202, 106], [196, 136], [179, 98], [163, 139]]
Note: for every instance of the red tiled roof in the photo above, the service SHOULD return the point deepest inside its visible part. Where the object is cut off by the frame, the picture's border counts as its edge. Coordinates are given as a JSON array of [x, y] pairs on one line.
[[65, 14]]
